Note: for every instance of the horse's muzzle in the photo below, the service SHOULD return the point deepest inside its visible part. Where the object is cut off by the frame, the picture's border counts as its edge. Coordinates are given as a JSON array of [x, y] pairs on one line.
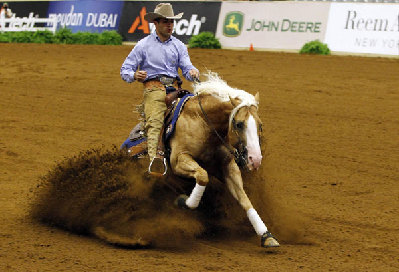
[[254, 161]]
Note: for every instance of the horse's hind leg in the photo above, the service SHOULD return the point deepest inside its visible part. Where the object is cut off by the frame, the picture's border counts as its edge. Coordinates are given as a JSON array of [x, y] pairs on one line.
[[184, 165], [236, 188]]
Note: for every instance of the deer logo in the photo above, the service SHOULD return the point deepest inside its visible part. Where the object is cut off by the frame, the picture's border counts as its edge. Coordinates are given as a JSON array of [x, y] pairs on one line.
[[233, 24]]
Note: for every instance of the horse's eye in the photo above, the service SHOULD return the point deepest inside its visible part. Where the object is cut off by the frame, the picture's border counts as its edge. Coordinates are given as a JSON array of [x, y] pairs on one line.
[[240, 125]]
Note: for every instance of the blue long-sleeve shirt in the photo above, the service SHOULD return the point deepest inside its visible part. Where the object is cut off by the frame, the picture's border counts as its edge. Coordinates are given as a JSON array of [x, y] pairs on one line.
[[157, 58]]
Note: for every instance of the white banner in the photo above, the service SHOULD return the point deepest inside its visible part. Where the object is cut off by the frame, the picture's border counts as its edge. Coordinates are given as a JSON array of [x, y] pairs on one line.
[[27, 24], [364, 28], [271, 25]]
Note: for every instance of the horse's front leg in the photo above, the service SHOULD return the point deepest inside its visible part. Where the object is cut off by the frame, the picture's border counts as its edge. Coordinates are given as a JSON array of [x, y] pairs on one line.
[[184, 165], [235, 185]]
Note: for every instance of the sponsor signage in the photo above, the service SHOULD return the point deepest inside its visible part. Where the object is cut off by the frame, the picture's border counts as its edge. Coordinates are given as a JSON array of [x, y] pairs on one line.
[[233, 22], [28, 9], [27, 24], [90, 16], [27, 16], [198, 17], [361, 28], [271, 25]]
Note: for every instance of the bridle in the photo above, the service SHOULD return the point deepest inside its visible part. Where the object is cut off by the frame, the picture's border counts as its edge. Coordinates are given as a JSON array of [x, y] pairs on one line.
[[240, 153]]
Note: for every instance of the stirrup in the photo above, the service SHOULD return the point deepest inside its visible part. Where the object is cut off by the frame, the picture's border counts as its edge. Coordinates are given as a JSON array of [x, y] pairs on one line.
[[158, 162]]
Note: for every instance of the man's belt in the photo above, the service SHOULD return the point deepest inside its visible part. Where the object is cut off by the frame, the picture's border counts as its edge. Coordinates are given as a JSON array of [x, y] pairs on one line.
[[165, 80]]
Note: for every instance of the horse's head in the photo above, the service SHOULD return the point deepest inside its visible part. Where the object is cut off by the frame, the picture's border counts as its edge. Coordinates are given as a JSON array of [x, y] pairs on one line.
[[244, 133]]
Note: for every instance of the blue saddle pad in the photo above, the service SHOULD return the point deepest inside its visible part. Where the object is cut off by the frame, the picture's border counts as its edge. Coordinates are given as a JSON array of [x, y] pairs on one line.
[[129, 143]]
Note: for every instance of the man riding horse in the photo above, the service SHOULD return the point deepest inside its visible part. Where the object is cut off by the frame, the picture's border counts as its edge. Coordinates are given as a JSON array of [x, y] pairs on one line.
[[155, 61], [218, 109]]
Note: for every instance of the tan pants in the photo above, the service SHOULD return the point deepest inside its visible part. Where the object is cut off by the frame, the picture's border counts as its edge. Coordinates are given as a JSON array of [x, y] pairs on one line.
[[154, 109]]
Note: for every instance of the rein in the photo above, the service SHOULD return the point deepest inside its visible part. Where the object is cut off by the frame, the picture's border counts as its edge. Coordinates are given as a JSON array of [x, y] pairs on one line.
[[239, 157]]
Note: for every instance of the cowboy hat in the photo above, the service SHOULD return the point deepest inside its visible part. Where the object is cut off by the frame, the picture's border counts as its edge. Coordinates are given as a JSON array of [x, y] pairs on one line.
[[162, 10]]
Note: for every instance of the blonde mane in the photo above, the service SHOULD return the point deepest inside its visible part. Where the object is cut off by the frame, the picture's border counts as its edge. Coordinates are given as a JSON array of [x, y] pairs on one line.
[[217, 87]]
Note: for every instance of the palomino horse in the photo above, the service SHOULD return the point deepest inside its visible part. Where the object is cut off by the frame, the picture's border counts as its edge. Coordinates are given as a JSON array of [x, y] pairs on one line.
[[220, 125]]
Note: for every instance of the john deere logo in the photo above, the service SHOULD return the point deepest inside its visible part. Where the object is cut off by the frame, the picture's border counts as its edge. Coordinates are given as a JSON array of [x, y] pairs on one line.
[[233, 24]]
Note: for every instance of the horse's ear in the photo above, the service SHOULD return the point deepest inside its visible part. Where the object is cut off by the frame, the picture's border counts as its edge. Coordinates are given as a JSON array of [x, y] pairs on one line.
[[257, 97], [235, 101]]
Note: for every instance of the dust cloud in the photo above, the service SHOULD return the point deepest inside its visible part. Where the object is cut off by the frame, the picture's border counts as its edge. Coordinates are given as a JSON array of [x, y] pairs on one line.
[[107, 194]]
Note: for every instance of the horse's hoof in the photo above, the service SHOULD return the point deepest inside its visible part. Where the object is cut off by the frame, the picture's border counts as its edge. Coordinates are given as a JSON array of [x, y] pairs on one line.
[[181, 201], [267, 240]]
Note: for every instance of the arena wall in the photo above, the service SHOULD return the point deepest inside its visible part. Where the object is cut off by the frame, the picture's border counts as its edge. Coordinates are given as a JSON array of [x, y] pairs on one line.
[[367, 28]]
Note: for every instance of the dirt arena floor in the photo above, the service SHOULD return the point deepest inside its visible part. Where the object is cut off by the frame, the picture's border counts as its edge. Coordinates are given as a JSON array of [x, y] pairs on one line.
[[331, 163]]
